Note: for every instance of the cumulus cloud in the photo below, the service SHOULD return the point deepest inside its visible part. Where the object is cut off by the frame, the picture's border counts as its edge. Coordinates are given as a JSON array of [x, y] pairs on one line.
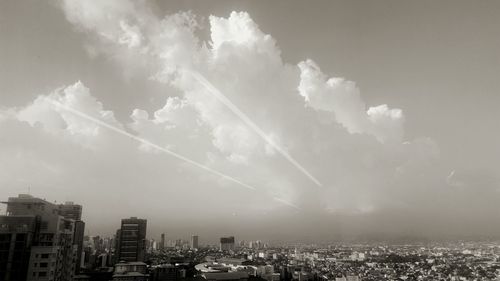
[[176, 126], [7, 113], [244, 64], [240, 32], [355, 150], [58, 121], [170, 42], [342, 98]]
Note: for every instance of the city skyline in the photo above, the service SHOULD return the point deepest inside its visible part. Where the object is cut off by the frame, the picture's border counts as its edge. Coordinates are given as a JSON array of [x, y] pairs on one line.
[[263, 121]]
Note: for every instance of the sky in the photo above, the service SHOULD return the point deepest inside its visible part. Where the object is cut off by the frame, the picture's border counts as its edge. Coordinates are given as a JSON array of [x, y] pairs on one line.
[[280, 120]]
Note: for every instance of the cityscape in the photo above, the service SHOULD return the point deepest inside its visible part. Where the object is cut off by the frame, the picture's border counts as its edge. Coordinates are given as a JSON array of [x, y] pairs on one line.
[[40, 240], [249, 140]]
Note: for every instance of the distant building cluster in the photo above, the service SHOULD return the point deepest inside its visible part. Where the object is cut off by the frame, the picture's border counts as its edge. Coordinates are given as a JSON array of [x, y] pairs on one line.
[[45, 241]]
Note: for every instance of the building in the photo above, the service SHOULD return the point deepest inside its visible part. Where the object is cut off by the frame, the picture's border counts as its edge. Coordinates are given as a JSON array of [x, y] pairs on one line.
[[71, 210], [131, 243], [162, 242], [17, 234], [227, 243], [74, 211], [78, 241], [267, 272], [103, 260], [194, 242], [167, 272], [100, 274], [215, 271], [36, 241], [130, 271]]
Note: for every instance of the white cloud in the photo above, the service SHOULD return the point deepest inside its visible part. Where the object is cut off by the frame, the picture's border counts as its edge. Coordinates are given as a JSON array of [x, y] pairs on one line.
[[131, 35], [245, 65], [171, 44], [7, 113], [42, 111], [106, 17], [175, 126], [343, 99], [240, 31], [178, 113], [359, 157]]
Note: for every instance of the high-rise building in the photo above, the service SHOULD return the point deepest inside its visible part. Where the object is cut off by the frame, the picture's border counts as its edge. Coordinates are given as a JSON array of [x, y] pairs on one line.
[[117, 246], [78, 241], [194, 242], [162, 242], [227, 243], [17, 235], [36, 241], [74, 211], [71, 210], [132, 240]]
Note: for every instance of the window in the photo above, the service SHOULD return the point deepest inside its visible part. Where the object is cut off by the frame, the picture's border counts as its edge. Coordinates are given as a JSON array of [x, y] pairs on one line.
[[44, 225], [45, 256], [42, 273], [43, 264]]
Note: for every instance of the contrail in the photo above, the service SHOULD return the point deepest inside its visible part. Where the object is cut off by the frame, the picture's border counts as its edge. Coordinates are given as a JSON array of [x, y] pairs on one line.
[[282, 201], [146, 142], [222, 98]]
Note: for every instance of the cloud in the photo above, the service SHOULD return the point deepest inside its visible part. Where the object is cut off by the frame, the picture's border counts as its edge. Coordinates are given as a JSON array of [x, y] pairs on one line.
[[62, 123], [355, 150], [109, 18], [171, 42], [244, 65], [6, 114], [176, 126], [66, 143], [130, 33], [342, 98], [241, 32]]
